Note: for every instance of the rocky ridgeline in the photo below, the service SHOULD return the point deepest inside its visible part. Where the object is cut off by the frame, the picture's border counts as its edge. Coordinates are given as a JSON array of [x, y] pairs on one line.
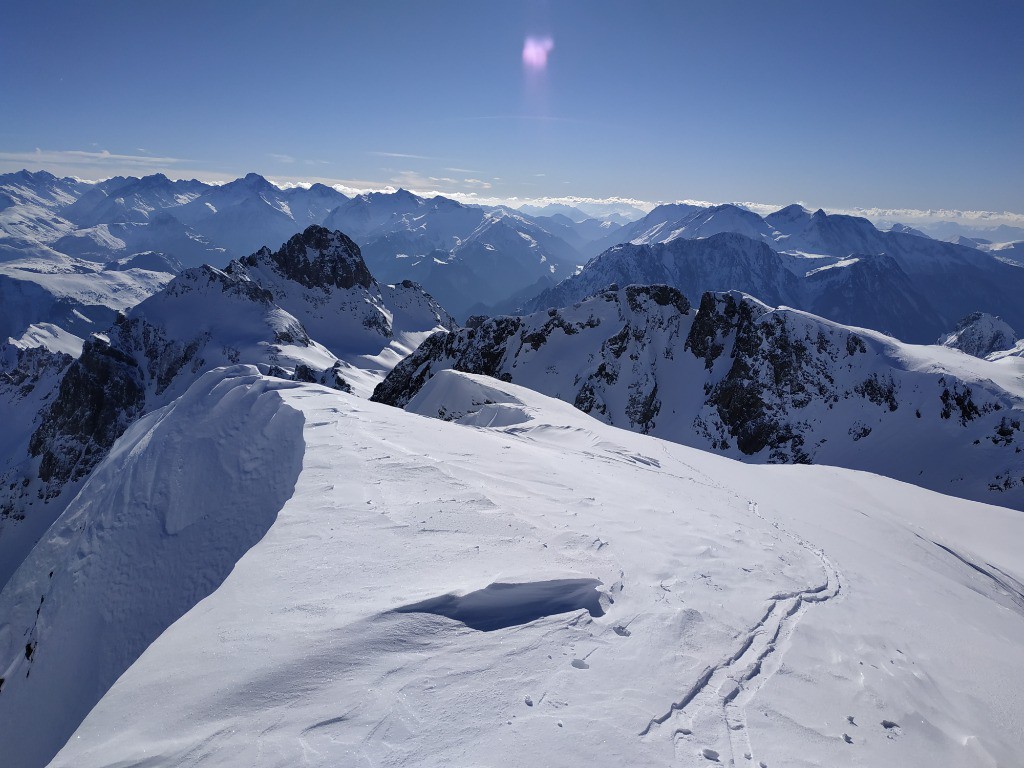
[[753, 382]]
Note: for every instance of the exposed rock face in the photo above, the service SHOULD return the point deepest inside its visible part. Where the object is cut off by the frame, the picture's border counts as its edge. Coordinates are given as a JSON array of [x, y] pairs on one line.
[[773, 371], [980, 334], [30, 378], [617, 338], [317, 258], [752, 382], [101, 394]]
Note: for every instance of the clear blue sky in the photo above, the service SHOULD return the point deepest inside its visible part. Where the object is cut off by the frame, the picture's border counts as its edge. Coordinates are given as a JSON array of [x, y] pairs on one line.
[[891, 104]]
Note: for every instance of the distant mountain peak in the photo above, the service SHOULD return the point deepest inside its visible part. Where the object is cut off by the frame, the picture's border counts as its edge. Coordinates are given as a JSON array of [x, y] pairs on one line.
[[405, 194], [252, 181], [980, 334], [27, 175], [791, 212]]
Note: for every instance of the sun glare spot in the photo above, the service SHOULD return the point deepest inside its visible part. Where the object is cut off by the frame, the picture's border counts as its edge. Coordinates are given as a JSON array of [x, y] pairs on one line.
[[535, 53]]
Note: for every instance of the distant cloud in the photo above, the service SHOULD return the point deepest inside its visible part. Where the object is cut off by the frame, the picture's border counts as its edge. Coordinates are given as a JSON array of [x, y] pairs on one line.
[[904, 215], [350, 187], [574, 200], [412, 180], [913, 215], [281, 158], [64, 157], [402, 155], [429, 186]]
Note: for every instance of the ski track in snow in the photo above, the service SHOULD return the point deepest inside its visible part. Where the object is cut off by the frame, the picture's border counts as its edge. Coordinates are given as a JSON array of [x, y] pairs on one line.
[[716, 703]]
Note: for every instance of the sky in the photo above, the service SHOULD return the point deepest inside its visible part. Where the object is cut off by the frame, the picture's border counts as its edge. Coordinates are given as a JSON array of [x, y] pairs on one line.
[[843, 105]]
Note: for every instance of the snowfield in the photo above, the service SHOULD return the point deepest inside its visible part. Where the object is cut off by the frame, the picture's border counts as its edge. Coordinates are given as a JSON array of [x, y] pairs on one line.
[[744, 615]]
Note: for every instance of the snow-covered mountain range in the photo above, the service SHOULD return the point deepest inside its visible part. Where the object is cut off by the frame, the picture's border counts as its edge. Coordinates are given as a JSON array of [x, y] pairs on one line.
[[490, 260], [471, 259], [468, 256], [759, 384], [216, 549], [841, 267]]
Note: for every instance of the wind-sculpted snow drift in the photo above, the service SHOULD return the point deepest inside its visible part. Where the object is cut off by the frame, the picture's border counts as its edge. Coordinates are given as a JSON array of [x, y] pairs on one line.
[[755, 383], [184, 493], [851, 623]]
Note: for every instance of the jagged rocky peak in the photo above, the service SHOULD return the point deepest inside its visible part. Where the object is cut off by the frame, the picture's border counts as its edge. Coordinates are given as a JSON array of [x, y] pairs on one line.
[[317, 258], [980, 334]]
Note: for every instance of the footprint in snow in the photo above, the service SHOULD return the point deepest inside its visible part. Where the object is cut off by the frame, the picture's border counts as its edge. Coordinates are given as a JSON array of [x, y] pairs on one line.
[[892, 729]]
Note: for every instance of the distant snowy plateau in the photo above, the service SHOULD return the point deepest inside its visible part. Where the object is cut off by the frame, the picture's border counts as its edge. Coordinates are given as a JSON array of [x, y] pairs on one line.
[[291, 478]]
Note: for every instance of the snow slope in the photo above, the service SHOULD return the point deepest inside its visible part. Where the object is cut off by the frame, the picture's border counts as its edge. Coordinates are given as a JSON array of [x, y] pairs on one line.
[[51, 337], [746, 615], [44, 286], [184, 493]]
